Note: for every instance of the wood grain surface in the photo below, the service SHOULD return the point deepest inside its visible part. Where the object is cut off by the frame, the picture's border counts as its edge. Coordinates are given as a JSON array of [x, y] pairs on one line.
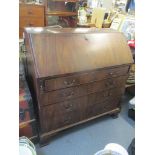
[[64, 53], [76, 75]]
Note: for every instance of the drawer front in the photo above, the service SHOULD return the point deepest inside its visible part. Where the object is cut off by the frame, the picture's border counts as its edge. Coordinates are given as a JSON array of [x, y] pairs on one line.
[[102, 107], [31, 22], [75, 110], [100, 97], [69, 81], [62, 114], [82, 90], [31, 11]]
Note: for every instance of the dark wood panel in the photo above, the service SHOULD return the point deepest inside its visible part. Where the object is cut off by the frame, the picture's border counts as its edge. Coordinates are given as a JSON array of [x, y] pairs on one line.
[[74, 92], [98, 50], [99, 108], [77, 75], [59, 115], [69, 81], [104, 95], [71, 111]]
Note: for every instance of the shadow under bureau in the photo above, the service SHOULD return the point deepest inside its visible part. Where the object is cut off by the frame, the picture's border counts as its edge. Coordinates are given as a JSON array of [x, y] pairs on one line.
[[75, 75]]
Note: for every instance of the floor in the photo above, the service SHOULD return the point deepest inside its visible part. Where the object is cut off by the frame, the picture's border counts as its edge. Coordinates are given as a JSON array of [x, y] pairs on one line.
[[88, 138]]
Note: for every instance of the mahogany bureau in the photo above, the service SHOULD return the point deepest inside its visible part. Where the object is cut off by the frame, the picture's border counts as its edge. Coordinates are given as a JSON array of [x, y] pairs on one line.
[[75, 75]]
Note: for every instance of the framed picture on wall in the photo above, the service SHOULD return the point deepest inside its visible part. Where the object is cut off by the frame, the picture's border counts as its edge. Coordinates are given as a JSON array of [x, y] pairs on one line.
[[128, 27]]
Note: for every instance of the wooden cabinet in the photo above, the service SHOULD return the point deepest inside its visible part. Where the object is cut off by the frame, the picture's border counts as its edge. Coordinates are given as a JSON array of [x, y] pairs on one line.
[[61, 12], [30, 15], [76, 75]]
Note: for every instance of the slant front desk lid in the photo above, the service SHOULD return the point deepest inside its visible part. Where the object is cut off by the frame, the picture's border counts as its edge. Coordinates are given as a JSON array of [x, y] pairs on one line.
[[58, 51]]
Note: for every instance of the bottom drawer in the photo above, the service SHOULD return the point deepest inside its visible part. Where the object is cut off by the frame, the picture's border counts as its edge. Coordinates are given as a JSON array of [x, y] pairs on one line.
[[62, 114], [75, 110], [102, 107]]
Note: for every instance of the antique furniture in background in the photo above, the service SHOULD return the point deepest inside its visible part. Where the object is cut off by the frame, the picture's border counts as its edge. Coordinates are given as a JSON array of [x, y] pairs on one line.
[[30, 15], [60, 12], [27, 120], [76, 75]]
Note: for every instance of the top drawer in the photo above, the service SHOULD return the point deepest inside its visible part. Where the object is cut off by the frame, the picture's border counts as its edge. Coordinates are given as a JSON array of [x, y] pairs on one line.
[[69, 81], [31, 10]]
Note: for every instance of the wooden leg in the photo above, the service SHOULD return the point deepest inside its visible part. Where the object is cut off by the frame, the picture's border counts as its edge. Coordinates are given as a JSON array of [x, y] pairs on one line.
[[115, 115], [45, 140]]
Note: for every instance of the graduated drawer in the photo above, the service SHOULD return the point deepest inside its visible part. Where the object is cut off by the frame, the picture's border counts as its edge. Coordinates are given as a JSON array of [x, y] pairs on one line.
[[82, 90], [62, 114], [99, 97], [74, 80], [31, 22], [72, 111], [102, 107], [31, 11]]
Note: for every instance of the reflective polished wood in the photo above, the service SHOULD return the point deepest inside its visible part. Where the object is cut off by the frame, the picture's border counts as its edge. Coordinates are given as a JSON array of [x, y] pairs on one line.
[[76, 75]]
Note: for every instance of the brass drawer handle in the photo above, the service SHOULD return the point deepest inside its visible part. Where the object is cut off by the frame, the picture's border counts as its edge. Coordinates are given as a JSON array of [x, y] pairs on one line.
[[67, 120], [71, 83], [42, 86], [112, 74], [30, 12], [89, 112], [70, 94], [30, 24], [109, 94], [69, 107], [109, 83]]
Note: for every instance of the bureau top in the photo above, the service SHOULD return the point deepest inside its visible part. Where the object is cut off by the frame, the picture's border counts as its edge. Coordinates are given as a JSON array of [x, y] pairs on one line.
[[59, 30], [66, 50]]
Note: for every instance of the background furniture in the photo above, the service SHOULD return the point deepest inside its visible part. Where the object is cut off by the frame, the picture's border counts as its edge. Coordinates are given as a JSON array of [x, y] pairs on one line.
[[131, 148], [27, 121], [131, 111], [60, 12], [130, 85], [80, 83], [30, 15]]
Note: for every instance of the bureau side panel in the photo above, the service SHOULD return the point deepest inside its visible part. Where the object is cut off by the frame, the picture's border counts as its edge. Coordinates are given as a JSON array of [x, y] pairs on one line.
[[31, 73]]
